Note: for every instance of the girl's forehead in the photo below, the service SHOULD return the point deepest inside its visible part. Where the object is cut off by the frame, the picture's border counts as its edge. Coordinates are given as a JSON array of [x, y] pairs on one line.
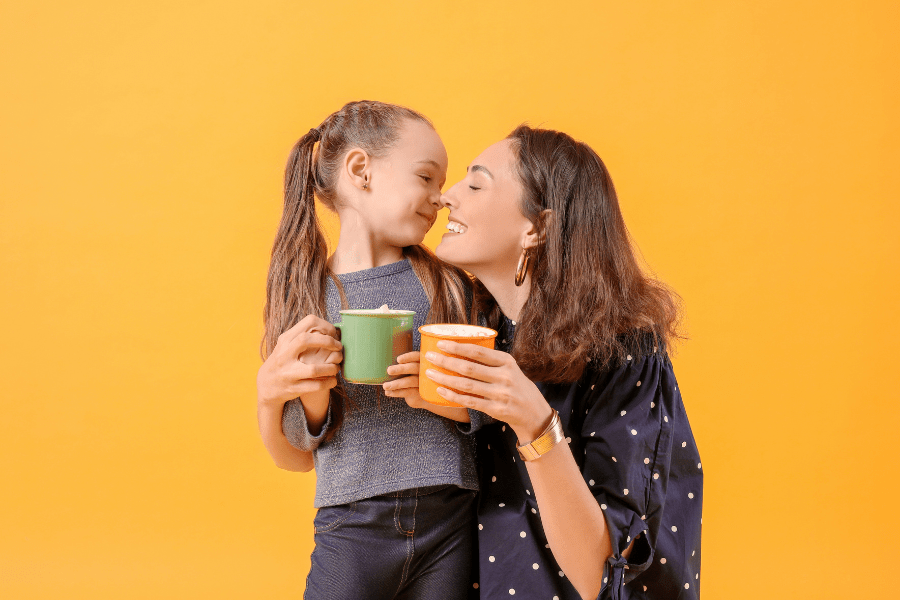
[[419, 142]]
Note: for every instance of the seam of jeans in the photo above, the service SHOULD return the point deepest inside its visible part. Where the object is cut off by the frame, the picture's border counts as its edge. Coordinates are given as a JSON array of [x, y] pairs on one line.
[[350, 512], [410, 544]]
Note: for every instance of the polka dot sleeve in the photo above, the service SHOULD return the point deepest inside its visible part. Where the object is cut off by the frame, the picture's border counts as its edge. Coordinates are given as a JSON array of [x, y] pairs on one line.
[[625, 441]]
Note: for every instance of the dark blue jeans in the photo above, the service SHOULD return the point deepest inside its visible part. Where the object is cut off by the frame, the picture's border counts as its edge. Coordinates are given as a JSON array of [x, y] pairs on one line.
[[412, 544]]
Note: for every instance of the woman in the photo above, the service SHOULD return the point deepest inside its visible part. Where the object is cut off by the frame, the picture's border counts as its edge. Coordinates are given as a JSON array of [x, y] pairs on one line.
[[606, 500]]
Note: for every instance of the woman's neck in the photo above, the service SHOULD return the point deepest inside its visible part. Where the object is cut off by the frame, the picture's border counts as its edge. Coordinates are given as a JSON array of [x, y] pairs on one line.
[[359, 248], [502, 286]]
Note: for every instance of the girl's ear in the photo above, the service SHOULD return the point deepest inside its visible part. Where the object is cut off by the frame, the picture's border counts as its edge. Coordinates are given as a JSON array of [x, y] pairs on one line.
[[356, 166], [536, 234]]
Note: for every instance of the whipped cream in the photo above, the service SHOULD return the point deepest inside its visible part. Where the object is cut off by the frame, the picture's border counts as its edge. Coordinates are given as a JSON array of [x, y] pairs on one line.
[[456, 330]]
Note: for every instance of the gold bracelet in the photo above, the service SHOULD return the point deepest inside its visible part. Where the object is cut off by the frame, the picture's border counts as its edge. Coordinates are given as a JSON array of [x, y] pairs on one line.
[[551, 436]]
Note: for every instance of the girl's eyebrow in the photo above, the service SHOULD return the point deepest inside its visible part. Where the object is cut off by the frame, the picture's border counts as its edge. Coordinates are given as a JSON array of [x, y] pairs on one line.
[[429, 162]]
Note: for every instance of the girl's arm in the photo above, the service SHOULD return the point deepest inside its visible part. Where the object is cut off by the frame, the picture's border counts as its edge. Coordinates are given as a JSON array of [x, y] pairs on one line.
[[572, 519], [285, 456], [303, 364], [408, 389]]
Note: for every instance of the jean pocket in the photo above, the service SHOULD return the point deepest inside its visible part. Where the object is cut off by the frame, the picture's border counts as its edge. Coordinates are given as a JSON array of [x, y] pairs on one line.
[[330, 517]]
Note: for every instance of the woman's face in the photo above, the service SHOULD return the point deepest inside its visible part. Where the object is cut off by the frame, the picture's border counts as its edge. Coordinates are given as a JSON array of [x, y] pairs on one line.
[[487, 229]]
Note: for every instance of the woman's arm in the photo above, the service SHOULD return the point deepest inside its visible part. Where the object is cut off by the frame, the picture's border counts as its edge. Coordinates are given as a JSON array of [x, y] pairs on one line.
[[302, 365], [572, 519]]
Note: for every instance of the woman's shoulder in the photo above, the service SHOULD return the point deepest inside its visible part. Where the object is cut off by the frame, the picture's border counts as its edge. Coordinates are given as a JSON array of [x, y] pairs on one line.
[[637, 345]]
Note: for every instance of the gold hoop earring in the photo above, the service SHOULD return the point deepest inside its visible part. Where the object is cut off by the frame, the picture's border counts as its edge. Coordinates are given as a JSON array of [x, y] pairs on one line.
[[522, 268]]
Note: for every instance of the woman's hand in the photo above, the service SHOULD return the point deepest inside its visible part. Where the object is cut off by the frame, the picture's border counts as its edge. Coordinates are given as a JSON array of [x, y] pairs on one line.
[[408, 388], [304, 364], [508, 395], [304, 361]]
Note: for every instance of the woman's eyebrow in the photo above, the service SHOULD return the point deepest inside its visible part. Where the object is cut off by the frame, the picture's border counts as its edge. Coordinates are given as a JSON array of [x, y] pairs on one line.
[[480, 168]]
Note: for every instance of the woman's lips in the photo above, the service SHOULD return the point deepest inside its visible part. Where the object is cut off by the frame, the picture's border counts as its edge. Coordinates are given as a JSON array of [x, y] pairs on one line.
[[456, 227]]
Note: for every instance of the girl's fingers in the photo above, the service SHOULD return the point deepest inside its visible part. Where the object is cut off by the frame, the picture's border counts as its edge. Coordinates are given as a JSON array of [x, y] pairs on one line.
[[410, 368], [409, 357], [404, 383], [463, 384], [486, 356], [466, 368]]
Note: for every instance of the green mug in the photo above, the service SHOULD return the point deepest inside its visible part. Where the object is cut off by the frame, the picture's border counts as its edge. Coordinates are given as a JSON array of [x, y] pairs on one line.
[[372, 340]]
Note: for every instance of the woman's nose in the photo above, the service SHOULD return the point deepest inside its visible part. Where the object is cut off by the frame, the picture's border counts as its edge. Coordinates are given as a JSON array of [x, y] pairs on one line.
[[446, 199]]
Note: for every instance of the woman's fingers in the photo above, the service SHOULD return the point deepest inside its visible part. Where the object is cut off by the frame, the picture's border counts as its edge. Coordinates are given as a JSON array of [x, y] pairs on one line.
[[302, 371], [480, 404], [466, 368], [486, 356], [309, 323], [463, 384], [309, 340]]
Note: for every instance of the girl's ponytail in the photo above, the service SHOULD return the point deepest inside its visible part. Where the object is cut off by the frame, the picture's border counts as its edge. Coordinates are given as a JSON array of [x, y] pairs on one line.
[[297, 272]]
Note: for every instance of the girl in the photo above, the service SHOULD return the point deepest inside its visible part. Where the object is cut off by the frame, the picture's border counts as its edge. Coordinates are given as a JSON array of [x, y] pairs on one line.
[[591, 479], [389, 478]]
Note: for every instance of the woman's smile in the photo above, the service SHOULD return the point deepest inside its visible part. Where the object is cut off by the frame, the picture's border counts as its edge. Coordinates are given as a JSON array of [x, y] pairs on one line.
[[456, 227]]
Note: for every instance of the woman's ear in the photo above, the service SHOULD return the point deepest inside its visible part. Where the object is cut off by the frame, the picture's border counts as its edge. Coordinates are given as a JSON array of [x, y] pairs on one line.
[[537, 233], [356, 166]]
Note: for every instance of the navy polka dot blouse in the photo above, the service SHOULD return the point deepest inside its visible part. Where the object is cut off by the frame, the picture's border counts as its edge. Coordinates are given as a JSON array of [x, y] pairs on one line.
[[630, 436]]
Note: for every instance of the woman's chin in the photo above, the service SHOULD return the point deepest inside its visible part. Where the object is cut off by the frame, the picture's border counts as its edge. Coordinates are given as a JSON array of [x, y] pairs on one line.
[[444, 250]]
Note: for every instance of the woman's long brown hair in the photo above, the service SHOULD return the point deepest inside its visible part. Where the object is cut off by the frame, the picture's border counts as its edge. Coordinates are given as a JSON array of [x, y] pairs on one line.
[[589, 298], [298, 272]]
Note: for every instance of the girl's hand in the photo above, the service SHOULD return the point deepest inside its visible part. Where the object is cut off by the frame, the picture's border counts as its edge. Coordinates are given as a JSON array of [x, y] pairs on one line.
[[304, 361], [405, 387], [408, 388], [508, 395]]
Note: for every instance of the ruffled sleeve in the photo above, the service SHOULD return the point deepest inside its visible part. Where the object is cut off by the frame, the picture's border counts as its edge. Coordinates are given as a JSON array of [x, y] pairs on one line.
[[626, 441], [296, 430]]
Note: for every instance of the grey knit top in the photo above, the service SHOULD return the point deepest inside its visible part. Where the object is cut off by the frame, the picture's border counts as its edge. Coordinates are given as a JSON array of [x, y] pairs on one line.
[[383, 445]]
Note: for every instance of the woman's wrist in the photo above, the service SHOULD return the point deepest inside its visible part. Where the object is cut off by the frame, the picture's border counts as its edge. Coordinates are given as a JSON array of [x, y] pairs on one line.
[[530, 431]]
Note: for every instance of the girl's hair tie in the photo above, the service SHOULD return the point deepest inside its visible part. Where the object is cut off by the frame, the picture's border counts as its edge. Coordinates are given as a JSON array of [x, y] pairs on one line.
[[315, 134]]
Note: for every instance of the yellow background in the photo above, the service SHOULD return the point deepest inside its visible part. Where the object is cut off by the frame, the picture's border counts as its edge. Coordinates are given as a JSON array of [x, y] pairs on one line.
[[755, 148]]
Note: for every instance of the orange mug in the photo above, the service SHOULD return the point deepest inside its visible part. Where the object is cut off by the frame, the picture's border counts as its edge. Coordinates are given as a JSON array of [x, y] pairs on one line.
[[430, 336]]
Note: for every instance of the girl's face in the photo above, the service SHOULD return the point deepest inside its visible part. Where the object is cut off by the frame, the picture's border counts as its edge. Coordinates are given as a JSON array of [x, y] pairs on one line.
[[487, 229], [405, 186]]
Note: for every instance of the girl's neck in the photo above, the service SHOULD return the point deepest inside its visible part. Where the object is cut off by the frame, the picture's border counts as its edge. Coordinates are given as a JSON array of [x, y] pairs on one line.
[[359, 248]]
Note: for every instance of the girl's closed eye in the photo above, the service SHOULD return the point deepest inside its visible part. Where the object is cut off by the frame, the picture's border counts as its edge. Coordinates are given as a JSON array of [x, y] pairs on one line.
[[426, 178]]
